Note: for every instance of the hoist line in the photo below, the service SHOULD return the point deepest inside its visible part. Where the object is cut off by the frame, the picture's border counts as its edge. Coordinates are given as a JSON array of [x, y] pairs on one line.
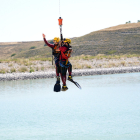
[[59, 9]]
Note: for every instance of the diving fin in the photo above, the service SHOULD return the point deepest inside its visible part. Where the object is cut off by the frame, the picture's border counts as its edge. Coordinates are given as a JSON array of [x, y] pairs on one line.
[[64, 88], [71, 80], [57, 87]]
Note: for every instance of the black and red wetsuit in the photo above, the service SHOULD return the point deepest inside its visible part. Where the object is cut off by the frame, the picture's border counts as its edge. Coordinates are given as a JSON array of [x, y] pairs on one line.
[[56, 55], [63, 65]]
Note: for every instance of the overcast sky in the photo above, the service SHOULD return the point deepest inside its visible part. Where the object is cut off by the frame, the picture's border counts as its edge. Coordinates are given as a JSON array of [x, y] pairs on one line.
[[26, 20]]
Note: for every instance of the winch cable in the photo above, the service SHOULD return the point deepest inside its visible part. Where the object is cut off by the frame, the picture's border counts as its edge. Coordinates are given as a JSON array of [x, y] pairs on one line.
[[59, 9], [60, 22], [60, 26]]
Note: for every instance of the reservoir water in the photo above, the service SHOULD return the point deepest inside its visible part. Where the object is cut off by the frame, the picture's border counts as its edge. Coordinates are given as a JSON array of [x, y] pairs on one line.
[[107, 108]]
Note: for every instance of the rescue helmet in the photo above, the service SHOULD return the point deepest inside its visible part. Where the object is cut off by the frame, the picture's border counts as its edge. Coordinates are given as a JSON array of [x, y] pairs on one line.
[[67, 40], [56, 39]]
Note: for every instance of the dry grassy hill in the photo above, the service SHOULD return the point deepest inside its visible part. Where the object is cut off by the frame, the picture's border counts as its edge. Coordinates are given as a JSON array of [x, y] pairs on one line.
[[24, 49], [121, 39]]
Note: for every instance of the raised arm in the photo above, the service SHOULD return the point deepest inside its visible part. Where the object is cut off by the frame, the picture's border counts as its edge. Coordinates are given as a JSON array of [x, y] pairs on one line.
[[46, 42]]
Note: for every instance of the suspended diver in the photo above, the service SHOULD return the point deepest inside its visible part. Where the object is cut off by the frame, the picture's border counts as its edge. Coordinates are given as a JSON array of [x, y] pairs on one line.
[[61, 51], [56, 55], [66, 51], [65, 65]]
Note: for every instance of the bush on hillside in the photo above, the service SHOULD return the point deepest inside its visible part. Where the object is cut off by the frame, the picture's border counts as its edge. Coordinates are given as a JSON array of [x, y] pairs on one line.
[[23, 69], [111, 52], [12, 70], [128, 22], [13, 54], [3, 70], [32, 70], [33, 47]]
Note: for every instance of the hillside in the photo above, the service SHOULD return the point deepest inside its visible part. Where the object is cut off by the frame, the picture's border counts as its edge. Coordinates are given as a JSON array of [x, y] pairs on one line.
[[121, 39], [23, 49]]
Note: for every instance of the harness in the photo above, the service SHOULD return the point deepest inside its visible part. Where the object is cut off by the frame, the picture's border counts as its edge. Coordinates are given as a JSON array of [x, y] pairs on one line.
[[54, 52], [67, 53], [63, 65]]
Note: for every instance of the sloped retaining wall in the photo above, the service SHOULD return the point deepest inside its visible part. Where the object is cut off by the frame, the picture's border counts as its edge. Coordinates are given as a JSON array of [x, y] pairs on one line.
[[80, 72]]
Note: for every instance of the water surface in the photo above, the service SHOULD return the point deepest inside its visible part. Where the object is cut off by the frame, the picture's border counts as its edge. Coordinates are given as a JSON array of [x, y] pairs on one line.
[[107, 108]]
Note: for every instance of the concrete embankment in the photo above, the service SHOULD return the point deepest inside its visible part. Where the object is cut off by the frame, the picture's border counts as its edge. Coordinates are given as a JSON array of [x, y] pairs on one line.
[[78, 72]]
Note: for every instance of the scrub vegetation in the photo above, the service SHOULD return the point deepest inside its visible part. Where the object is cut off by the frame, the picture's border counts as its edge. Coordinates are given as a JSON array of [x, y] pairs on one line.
[[78, 62], [117, 46]]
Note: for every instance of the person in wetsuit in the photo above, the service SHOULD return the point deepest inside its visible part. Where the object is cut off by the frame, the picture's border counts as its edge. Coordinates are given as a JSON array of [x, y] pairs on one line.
[[55, 53], [65, 50]]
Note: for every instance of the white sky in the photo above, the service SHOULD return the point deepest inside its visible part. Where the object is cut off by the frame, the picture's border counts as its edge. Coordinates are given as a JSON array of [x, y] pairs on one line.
[[26, 20]]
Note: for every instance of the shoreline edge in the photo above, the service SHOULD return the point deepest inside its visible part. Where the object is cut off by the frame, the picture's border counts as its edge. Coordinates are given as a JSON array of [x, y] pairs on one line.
[[76, 72]]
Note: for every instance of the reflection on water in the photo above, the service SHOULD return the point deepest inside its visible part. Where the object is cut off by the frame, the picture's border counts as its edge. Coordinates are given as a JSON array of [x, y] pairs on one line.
[[107, 107]]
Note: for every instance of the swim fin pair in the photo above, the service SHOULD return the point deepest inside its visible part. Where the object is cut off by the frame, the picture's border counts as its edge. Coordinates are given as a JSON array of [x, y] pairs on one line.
[[57, 86]]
